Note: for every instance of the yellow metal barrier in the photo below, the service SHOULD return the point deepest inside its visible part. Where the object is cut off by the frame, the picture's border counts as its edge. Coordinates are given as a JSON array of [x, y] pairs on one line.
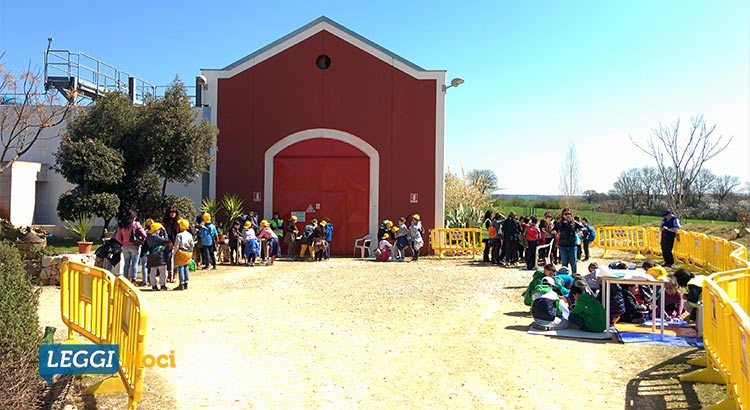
[[457, 240], [726, 303], [85, 294], [107, 310], [625, 238]]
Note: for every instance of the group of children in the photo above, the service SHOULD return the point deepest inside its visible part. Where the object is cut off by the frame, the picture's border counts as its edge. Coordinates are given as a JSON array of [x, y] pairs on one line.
[[559, 299], [404, 236], [315, 240], [248, 239], [511, 240]]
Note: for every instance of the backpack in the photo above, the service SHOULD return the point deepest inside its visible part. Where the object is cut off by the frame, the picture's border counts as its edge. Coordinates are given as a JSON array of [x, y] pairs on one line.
[[492, 231], [532, 234], [136, 238]]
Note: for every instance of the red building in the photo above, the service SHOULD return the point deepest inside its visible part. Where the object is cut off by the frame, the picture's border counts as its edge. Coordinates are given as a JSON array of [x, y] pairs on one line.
[[325, 123]]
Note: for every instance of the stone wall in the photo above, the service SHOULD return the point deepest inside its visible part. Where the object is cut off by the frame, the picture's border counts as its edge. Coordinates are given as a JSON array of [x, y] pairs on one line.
[[50, 273]]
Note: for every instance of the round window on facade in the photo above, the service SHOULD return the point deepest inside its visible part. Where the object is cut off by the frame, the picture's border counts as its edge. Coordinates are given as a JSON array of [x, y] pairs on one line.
[[323, 62]]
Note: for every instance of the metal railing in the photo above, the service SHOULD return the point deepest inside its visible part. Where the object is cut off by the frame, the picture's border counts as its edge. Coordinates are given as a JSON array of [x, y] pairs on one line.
[[95, 77]]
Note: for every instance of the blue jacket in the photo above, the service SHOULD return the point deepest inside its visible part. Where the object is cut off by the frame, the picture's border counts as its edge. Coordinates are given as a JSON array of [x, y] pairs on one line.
[[329, 232], [207, 233]]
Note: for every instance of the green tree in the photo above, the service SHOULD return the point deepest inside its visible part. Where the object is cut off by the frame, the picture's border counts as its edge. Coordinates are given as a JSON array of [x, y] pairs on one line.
[[181, 141], [95, 168]]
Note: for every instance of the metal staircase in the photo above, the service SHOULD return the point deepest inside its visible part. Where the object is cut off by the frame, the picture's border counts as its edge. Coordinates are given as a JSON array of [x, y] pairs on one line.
[[78, 75]]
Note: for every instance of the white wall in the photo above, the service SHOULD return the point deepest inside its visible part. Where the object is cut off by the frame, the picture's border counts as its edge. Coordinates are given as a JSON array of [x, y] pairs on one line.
[[48, 192]]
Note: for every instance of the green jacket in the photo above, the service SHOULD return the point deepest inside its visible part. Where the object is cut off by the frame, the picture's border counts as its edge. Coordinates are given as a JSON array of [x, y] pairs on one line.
[[592, 312], [527, 295]]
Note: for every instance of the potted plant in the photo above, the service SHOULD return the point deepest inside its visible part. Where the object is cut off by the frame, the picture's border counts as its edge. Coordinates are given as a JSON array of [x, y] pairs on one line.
[[81, 227]]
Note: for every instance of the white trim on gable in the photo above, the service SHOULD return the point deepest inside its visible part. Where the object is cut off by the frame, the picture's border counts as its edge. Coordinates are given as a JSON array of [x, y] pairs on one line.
[[350, 139]]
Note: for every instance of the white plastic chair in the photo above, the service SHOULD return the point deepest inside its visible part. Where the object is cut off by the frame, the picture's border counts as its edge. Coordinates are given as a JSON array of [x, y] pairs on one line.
[[547, 248], [363, 244]]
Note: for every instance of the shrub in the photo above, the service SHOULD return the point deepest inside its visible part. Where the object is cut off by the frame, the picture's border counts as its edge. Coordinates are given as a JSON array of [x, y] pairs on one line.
[[20, 383]]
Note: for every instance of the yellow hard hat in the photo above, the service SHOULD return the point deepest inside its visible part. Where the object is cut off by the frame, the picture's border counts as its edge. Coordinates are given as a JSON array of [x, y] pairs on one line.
[[264, 223], [394, 230], [416, 216], [323, 223], [248, 224], [206, 217], [657, 272], [386, 236], [155, 227], [388, 223], [294, 218], [183, 223]]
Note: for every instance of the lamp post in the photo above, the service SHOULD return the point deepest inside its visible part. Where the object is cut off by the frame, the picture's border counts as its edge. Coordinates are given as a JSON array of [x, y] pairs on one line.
[[454, 83]]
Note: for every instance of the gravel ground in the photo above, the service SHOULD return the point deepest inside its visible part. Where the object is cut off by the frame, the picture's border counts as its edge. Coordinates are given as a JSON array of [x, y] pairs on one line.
[[349, 333]]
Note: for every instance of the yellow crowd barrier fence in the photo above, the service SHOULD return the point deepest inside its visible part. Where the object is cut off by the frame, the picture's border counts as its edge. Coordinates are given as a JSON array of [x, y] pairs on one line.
[[456, 240], [107, 310], [725, 302], [626, 238]]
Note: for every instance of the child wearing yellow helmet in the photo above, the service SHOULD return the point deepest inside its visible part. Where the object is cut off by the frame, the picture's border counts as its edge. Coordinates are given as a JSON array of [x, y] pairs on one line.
[[415, 236], [183, 247], [290, 238], [402, 239], [156, 255], [383, 253], [234, 241], [251, 246], [209, 236], [272, 248]]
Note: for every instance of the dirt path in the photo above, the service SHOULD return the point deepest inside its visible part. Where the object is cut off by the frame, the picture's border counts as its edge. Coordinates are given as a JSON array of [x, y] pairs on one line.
[[348, 333]]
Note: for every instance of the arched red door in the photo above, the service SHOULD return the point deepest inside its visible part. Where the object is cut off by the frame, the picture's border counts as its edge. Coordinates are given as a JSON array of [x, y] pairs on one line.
[[322, 178]]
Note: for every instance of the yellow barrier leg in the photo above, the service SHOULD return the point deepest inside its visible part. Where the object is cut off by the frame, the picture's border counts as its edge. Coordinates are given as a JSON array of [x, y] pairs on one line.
[[112, 384], [639, 256], [705, 375], [699, 361], [606, 254], [132, 404], [727, 404]]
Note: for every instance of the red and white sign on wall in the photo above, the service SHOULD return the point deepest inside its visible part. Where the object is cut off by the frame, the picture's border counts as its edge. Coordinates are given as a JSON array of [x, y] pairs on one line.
[[414, 198], [256, 196]]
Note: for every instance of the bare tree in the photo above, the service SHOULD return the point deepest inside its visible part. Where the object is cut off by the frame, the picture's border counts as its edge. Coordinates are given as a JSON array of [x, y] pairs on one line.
[[683, 156], [651, 186], [724, 186], [25, 111], [703, 184], [484, 179], [628, 188], [570, 175]]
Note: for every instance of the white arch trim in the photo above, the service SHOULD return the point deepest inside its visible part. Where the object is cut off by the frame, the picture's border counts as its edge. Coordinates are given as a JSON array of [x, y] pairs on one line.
[[350, 139]]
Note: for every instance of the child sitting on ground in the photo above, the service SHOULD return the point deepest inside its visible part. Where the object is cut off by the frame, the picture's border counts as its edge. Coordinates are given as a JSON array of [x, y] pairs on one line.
[[548, 309], [694, 286], [672, 300], [636, 310], [565, 277], [383, 253], [587, 314], [592, 279]]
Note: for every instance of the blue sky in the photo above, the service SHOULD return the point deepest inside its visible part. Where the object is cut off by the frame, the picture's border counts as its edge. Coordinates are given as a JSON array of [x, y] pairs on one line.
[[538, 74]]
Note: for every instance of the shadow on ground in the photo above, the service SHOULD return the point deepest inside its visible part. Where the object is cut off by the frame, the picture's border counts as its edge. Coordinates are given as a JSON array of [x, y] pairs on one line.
[[659, 387]]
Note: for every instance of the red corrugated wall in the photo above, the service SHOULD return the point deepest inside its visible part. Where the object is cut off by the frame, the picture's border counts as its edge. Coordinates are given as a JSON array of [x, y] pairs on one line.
[[358, 94]]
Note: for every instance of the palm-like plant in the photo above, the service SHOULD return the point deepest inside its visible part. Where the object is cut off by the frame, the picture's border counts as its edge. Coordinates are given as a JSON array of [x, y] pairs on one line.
[[80, 226], [231, 205]]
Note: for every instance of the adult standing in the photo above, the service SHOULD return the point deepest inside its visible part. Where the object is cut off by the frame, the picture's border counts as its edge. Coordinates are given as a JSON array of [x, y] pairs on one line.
[[568, 229], [291, 238], [131, 235], [511, 230], [171, 216], [669, 227]]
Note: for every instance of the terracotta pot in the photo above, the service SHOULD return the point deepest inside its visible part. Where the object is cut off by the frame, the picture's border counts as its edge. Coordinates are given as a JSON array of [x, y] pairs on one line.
[[84, 247]]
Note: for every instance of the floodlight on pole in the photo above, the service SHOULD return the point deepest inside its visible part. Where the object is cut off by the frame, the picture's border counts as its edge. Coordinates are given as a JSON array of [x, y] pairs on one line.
[[454, 83]]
